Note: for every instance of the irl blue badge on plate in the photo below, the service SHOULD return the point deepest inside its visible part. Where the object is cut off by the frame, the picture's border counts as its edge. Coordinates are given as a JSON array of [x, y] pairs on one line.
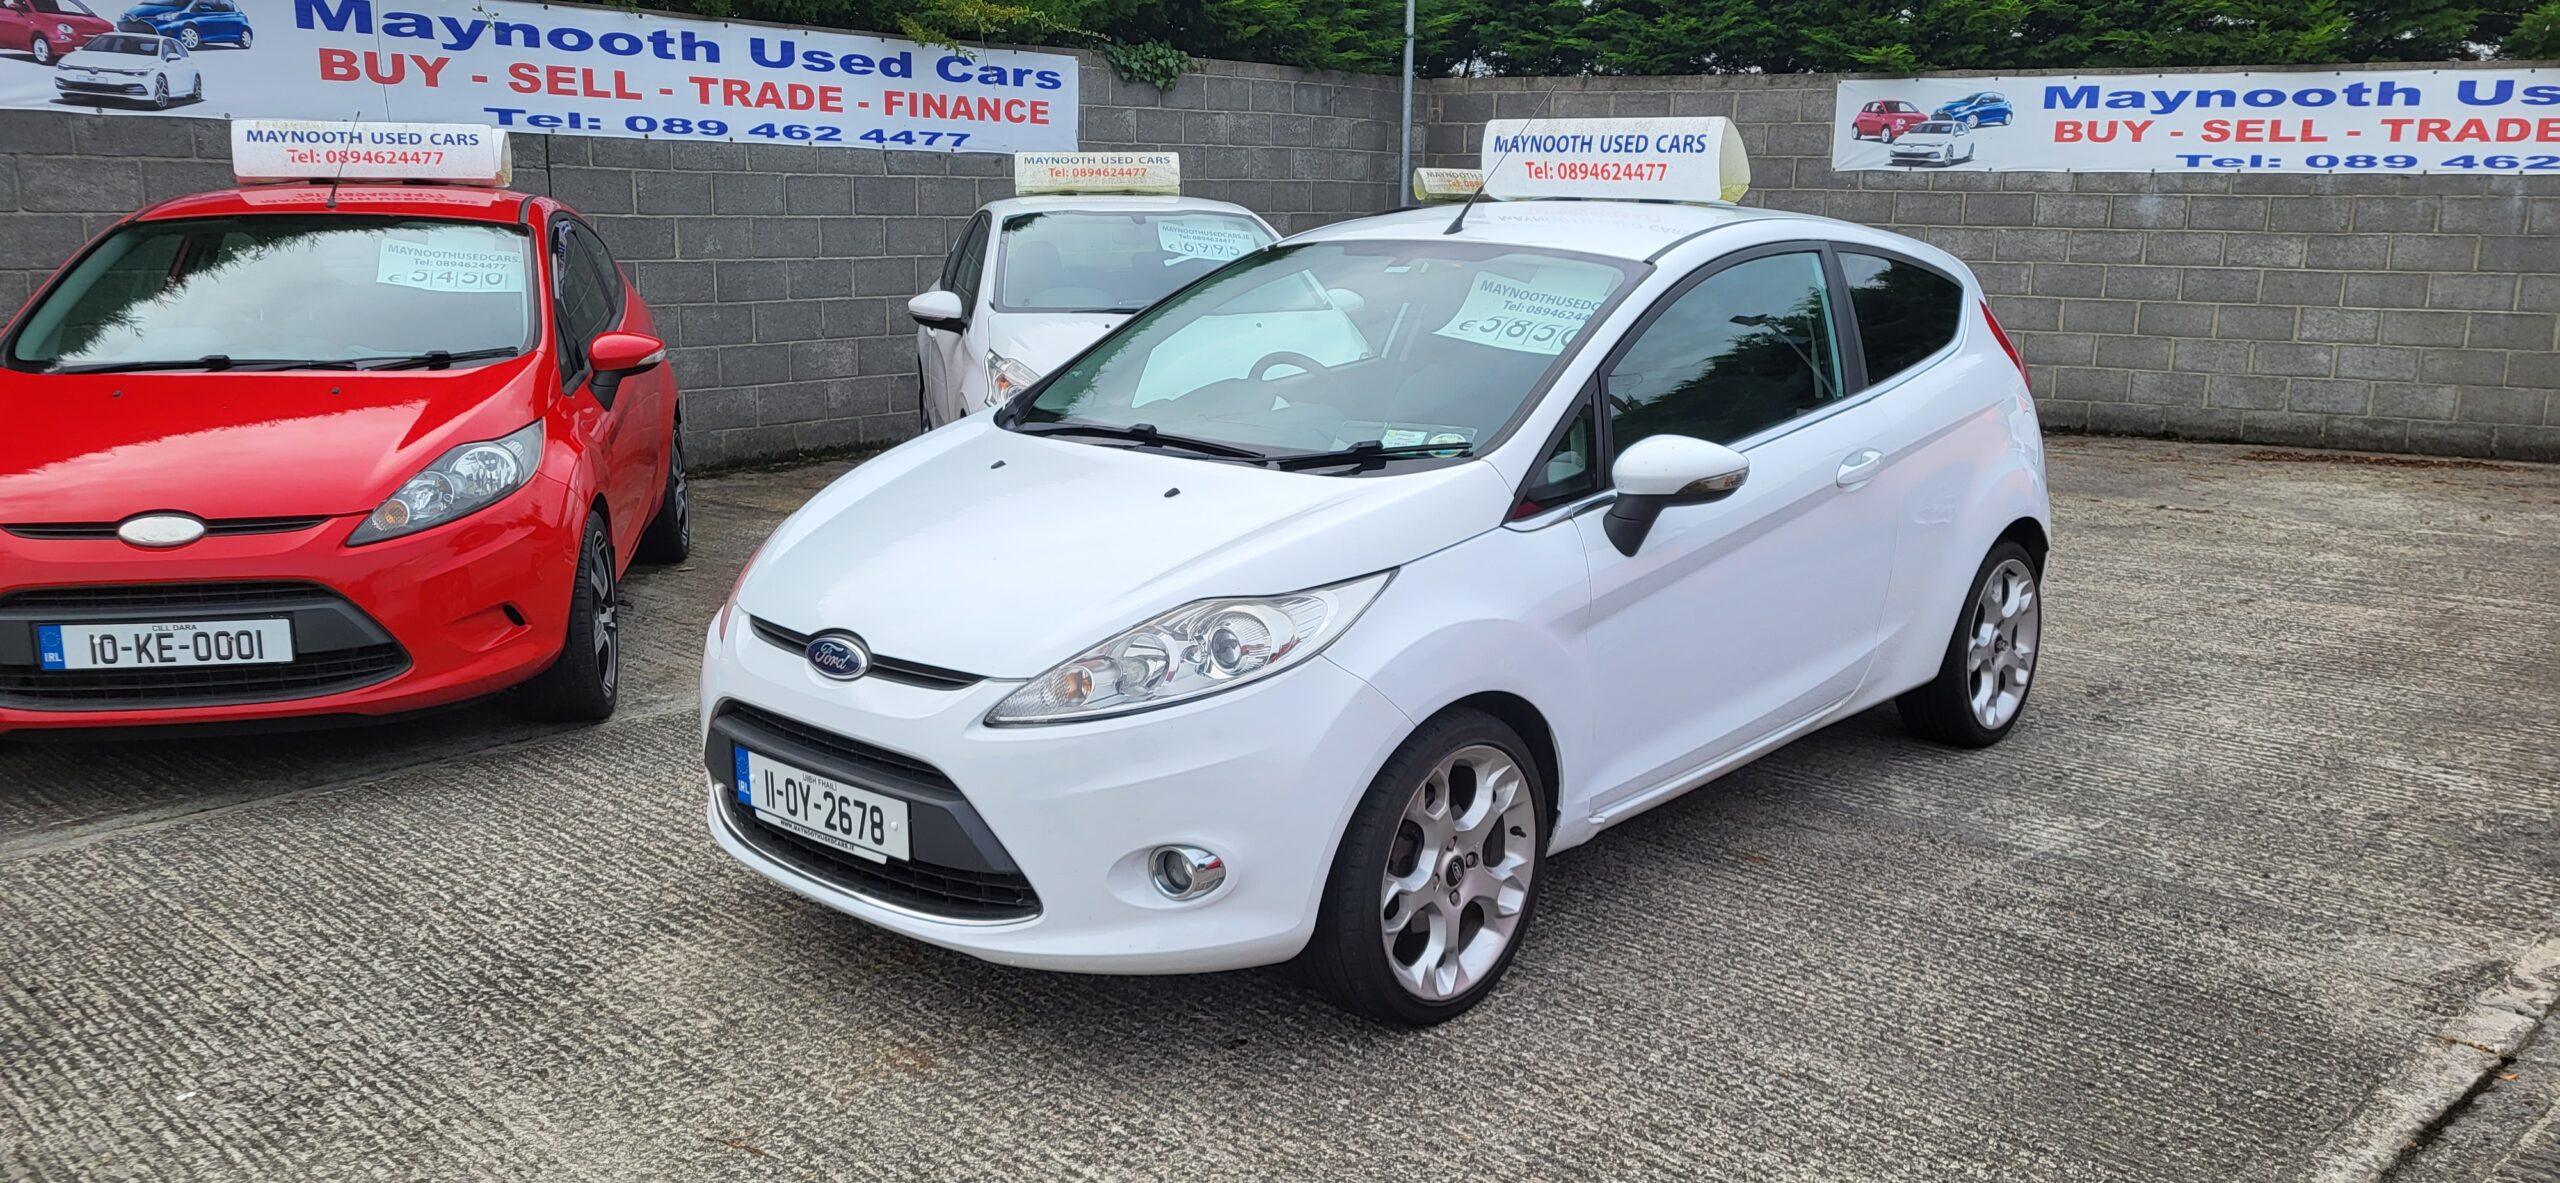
[[746, 790]]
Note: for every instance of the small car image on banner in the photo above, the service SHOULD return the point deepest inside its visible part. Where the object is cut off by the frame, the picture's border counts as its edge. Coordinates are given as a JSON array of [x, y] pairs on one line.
[[2332, 121]]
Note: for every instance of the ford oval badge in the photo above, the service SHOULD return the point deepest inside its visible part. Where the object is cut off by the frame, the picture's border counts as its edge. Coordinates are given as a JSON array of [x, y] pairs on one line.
[[160, 531], [839, 655]]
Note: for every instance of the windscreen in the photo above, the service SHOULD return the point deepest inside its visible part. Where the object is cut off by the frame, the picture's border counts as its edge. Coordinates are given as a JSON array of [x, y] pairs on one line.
[[124, 43], [1333, 344], [270, 290], [1086, 261]]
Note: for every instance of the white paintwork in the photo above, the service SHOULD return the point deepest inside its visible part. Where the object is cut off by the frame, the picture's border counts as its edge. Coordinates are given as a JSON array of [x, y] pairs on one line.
[[172, 66], [953, 365], [1827, 583], [1950, 143]]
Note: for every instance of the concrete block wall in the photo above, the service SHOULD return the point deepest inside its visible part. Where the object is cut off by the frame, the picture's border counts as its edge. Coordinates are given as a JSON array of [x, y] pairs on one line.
[[779, 273], [2392, 313]]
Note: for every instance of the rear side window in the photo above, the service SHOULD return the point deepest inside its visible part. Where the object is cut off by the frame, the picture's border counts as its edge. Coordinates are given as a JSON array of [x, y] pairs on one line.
[[1905, 311]]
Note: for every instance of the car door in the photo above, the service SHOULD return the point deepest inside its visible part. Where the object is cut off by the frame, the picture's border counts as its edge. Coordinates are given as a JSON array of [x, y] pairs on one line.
[[1738, 623], [942, 356], [17, 28], [587, 301]]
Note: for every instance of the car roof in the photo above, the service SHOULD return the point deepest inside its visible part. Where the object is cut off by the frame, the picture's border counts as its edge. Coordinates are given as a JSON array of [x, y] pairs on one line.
[[1634, 230], [458, 202], [1109, 203]]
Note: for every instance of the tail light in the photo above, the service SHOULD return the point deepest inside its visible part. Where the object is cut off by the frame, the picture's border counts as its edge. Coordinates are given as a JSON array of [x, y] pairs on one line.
[[2006, 345]]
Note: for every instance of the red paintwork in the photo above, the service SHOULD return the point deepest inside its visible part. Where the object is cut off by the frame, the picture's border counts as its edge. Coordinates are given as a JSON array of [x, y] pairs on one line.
[[21, 25], [1888, 118], [103, 447]]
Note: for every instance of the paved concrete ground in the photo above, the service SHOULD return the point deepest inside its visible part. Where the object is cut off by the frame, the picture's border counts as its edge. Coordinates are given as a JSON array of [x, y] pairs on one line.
[[2283, 804]]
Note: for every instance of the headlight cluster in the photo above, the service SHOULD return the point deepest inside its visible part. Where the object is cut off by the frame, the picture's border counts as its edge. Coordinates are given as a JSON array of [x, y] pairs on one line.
[[1198, 649], [1006, 378], [463, 481]]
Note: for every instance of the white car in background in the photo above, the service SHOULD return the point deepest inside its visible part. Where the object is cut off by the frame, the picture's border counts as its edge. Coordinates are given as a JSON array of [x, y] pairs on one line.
[[132, 67], [1033, 280], [1939, 141], [1231, 643]]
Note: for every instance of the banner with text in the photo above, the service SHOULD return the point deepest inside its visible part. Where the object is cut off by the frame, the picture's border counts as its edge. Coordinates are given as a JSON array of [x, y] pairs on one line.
[[2344, 121], [529, 68]]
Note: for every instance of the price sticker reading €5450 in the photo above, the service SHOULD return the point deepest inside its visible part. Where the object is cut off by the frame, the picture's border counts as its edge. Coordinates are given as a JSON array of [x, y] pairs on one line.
[[429, 267]]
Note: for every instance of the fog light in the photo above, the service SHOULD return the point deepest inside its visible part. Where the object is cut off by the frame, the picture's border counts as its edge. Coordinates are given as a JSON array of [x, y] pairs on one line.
[[1186, 872]]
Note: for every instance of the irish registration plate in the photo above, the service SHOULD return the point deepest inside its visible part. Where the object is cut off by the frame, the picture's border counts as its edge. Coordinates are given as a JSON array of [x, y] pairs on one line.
[[822, 810], [164, 645]]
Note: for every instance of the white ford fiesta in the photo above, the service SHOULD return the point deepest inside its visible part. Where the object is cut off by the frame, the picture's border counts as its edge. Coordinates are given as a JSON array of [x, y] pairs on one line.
[[1203, 653]]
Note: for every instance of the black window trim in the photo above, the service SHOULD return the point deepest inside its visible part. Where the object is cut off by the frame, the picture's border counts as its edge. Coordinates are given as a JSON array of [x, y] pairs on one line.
[[1935, 357]]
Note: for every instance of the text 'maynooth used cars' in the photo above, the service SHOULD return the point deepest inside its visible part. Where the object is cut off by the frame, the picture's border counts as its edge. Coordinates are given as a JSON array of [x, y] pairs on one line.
[[1309, 612], [330, 447], [1088, 239]]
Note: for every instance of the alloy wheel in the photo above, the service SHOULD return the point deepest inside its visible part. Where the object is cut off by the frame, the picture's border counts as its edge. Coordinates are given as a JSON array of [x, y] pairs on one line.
[[680, 494], [605, 622], [1457, 876], [42, 49], [190, 38], [160, 92], [245, 38], [2000, 649]]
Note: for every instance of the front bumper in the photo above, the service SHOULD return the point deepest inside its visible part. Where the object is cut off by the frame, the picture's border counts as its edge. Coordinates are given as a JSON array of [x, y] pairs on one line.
[[1265, 776], [102, 86], [445, 615]]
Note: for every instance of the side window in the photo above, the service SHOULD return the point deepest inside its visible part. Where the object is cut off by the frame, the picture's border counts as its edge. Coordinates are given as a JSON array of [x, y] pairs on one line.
[[586, 303], [1571, 469], [966, 264], [1905, 311], [1747, 348]]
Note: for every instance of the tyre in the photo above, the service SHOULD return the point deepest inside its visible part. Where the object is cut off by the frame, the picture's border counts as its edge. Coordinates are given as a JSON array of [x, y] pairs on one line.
[[585, 682], [1982, 684], [924, 410], [190, 38], [1432, 888], [669, 538], [42, 49], [1891, 133], [198, 94], [246, 37], [160, 92]]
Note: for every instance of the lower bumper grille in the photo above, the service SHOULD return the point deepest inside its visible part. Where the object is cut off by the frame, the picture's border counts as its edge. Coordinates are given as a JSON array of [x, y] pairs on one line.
[[337, 647], [959, 871]]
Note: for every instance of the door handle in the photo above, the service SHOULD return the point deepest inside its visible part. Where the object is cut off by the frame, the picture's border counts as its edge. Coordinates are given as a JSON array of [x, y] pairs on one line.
[[1861, 465]]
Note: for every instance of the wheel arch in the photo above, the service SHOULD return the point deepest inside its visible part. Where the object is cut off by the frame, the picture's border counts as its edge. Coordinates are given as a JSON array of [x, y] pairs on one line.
[[2028, 533], [1524, 718]]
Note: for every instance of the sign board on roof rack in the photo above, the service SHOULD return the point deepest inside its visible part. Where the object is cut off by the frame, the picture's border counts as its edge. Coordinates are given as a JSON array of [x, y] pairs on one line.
[[1681, 159], [306, 150], [1097, 172], [1446, 184]]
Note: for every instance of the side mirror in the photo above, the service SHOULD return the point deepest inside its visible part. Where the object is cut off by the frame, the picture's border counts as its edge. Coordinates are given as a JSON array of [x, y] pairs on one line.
[[1661, 471], [616, 356], [938, 309]]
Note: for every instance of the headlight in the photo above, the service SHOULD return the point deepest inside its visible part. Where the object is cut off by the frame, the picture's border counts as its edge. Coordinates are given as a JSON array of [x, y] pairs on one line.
[[1006, 378], [1195, 650], [62, 31], [463, 481]]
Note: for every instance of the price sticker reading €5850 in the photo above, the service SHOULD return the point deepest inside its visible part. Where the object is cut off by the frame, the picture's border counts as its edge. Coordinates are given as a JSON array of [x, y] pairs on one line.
[[1541, 316], [433, 268]]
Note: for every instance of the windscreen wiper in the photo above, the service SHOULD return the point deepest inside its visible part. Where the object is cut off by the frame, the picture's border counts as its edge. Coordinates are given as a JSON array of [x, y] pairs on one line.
[[1369, 450], [434, 359], [212, 362], [1144, 433]]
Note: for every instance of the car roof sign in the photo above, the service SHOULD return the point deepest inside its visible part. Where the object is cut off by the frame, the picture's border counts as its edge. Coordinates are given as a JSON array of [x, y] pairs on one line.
[[264, 150], [1158, 173], [1446, 184], [1664, 159]]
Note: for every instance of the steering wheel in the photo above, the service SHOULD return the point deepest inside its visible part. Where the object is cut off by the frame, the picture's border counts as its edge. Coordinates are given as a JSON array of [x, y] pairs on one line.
[[1332, 392]]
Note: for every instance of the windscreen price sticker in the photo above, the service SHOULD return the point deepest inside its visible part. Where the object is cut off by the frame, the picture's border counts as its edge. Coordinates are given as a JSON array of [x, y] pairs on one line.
[[444, 269], [1216, 239], [1527, 317]]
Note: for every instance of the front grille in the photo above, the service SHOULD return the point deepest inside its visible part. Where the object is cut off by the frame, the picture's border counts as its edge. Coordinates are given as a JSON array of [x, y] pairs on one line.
[[200, 685], [959, 870], [912, 673], [948, 892], [158, 595], [213, 528], [856, 756], [337, 647]]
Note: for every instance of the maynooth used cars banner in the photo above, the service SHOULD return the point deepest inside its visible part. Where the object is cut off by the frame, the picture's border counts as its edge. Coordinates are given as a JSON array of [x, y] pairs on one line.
[[2349, 121], [529, 68]]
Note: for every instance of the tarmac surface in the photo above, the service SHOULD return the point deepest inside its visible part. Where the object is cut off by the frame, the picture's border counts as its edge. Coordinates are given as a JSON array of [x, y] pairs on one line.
[[2282, 809]]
